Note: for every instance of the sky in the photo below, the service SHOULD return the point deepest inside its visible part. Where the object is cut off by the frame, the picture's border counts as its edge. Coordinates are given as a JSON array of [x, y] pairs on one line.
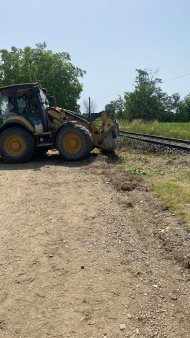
[[109, 39]]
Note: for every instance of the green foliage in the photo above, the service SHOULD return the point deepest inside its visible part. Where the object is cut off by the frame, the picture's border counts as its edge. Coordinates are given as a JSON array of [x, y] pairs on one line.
[[148, 102], [164, 229], [116, 108], [53, 71], [185, 108], [134, 170]]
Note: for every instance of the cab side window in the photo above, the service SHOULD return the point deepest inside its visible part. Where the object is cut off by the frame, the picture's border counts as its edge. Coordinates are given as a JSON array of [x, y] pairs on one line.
[[27, 103], [22, 104], [6, 103]]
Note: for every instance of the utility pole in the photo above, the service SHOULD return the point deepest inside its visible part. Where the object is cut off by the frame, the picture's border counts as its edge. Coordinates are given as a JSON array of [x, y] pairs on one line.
[[89, 108]]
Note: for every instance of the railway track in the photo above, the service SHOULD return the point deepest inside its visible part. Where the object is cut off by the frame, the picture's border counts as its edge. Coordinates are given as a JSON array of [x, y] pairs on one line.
[[164, 141]]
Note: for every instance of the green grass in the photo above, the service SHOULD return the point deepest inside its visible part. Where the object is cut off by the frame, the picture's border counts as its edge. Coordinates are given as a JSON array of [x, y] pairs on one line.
[[175, 130], [168, 176], [176, 196]]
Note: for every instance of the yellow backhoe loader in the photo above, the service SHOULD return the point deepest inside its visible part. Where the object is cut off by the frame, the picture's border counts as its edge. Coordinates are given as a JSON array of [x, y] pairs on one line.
[[28, 124]]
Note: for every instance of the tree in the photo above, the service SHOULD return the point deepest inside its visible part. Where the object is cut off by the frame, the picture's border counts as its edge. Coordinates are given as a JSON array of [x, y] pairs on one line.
[[52, 70], [185, 108], [116, 108], [147, 102]]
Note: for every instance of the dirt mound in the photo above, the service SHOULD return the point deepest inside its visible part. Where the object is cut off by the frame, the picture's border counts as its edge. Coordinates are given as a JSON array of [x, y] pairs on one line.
[[124, 181]]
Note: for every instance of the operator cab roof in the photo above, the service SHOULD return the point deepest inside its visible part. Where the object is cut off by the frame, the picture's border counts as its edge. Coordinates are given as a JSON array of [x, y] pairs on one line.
[[21, 85]]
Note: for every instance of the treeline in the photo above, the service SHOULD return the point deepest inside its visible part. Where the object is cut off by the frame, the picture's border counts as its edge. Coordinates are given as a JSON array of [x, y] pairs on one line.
[[148, 102]]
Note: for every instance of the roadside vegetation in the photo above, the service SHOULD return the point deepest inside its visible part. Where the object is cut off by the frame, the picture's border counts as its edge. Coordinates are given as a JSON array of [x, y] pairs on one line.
[[168, 174], [168, 129]]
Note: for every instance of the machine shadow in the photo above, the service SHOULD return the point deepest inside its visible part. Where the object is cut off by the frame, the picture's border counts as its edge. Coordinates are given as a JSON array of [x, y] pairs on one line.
[[47, 160]]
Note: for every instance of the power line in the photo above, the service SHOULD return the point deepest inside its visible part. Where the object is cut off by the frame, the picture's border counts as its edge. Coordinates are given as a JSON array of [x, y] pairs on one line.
[[173, 78], [177, 77], [102, 97]]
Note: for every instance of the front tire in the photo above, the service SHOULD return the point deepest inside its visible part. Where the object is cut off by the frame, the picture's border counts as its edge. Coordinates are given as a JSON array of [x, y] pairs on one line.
[[17, 145], [74, 142]]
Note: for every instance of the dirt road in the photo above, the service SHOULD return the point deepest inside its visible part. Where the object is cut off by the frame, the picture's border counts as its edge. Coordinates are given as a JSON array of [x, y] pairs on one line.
[[80, 258]]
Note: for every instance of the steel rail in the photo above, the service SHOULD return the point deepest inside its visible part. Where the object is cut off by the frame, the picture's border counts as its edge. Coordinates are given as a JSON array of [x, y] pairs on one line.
[[157, 140]]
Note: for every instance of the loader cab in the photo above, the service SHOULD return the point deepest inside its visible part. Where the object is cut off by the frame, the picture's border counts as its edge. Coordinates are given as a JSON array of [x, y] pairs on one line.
[[24, 100]]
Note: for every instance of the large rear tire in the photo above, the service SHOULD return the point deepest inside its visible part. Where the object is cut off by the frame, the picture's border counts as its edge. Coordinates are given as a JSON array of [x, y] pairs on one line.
[[17, 145], [74, 142]]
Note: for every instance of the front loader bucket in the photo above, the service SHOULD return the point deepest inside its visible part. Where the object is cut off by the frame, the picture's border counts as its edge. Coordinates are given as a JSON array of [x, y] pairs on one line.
[[104, 137], [108, 140]]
